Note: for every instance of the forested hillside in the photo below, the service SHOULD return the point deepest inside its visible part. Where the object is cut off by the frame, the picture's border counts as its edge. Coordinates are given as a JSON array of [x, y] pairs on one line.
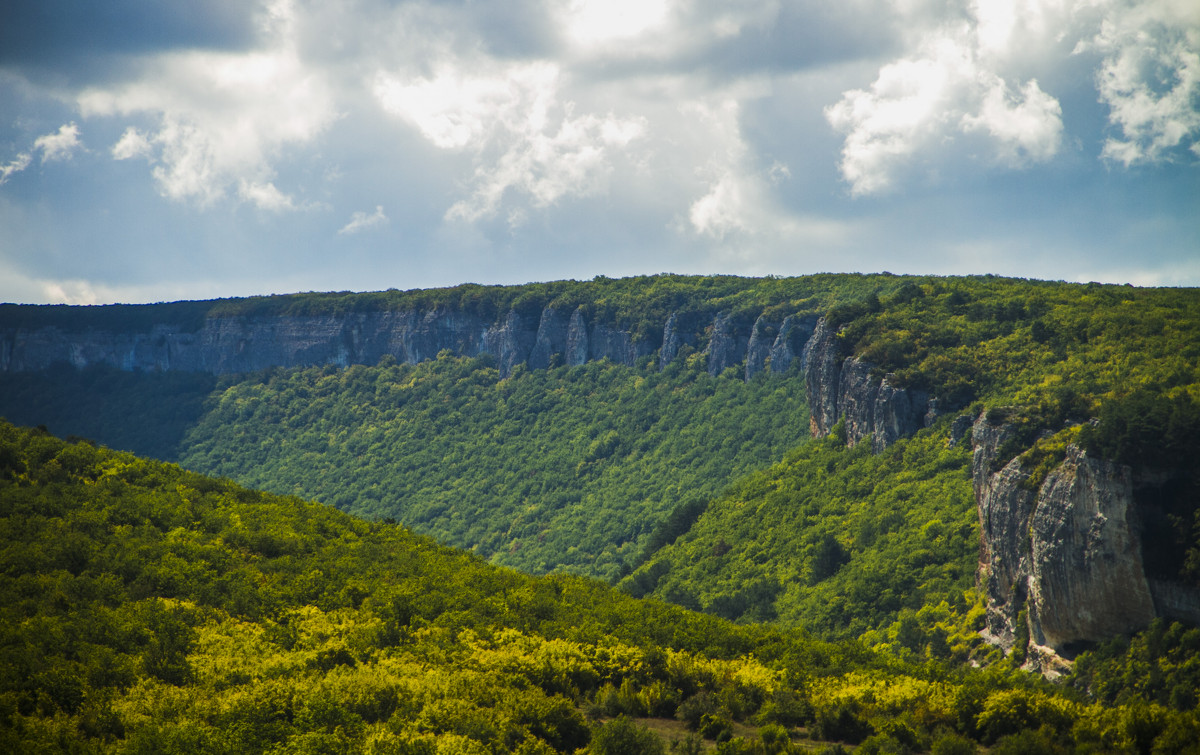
[[842, 541], [567, 468], [147, 609], [687, 482]]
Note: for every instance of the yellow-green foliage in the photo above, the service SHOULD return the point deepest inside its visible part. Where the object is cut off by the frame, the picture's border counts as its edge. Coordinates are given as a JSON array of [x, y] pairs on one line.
[[837, 540], [146, 609]]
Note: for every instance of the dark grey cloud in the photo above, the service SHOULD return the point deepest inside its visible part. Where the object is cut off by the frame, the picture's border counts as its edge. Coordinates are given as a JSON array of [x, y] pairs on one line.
[[69, 37]]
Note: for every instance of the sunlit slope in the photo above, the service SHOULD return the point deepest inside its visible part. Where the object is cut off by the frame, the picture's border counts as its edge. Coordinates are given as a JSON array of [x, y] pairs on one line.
[[148, 609], [838, 540]]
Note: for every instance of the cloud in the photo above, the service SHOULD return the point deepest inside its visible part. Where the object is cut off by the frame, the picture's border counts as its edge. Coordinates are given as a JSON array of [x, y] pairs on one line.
[[979, 77], [522, 137], [59, 145], [16, 165], [361, 221], [923, 103], [591, 23], [133, 143], [1026, 127], [1150, 78], [221, 119], [739, 213], [265, 196]]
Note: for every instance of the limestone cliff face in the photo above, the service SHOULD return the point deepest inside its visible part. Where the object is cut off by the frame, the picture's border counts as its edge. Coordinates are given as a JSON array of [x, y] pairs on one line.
[[726, 346], [1088, 580], [675, 336], [551, 338], [822, 379], [577, 339], [618, 346], [510, 342], [246, 344], [844, 387], [790, 342], [1068, 555]]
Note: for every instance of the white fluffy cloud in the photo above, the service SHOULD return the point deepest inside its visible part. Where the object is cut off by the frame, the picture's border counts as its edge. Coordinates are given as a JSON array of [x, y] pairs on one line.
[[16, 165], [1150, 78], [922, 103], [973, 77], [524, 139], [59, 145], [221, 118]]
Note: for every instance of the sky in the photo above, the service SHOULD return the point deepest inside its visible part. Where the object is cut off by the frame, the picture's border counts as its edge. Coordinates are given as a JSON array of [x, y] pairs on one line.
[[155, 150]]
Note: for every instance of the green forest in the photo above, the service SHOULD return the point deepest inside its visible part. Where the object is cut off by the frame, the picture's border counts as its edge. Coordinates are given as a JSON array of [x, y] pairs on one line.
[[604, 558], [559, 469], [152, 610]]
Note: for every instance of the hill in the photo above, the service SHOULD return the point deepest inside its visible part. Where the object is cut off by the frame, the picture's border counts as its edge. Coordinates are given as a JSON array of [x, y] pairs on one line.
[[148, 609], [592, 426]]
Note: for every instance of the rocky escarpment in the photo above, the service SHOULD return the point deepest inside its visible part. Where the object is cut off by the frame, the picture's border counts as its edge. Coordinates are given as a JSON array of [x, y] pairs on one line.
[[845, 387], [1063, 563], [233, 344]]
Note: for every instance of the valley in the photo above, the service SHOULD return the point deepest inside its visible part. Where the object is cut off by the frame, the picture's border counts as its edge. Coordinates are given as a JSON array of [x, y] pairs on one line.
[[917, 470]]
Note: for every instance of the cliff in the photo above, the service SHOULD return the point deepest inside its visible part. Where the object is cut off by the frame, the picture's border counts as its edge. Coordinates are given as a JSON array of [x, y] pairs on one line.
[[845, 387], [1063, 563], [232, 344]]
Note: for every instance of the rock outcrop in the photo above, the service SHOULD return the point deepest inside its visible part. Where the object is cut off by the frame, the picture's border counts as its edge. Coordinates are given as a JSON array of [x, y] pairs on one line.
[[675, 337], [1063, 563], [615, 345], [847, 388], [726, 346], [577, 339], [232, 344], [758, 349], [551, 339], [790, 342]]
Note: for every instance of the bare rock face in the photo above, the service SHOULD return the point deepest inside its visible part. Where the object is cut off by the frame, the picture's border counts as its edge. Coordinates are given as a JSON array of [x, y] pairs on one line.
[[246, 344], [794, 334], [577, 339], [726, 347], [899, 413], [822, 379], [510, 342], [615, 345], [1088, 581], [856, 398], [676, 335], [551, 338], [762, 338], [1004, 504], [1067, 554], [233, 344], [845, 388]]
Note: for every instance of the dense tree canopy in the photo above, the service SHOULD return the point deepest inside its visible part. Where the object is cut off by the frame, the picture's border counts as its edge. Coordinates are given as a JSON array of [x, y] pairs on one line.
[[148, 609]]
